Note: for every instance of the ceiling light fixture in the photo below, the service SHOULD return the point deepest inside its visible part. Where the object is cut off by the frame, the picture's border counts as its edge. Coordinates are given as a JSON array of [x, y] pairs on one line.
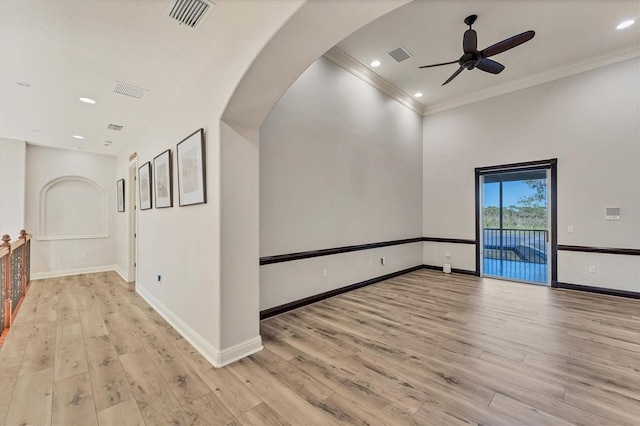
[[78, 137], [625, 24], [87, 101], [24, 84], [418, 95], [375, 63]]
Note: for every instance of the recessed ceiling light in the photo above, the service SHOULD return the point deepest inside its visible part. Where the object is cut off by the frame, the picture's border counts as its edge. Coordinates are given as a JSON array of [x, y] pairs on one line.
[[375, 63], [625, 24], [87, 101], [418, 95], [78, 137], [24, 84]]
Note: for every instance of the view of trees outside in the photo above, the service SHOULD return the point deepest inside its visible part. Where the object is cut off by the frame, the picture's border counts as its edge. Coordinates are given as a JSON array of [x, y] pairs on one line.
[[525, 204]]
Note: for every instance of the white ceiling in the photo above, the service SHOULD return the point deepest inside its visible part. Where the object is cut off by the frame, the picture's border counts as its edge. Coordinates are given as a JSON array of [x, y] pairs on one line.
[[567, 32], [68, 49], [71, 48]]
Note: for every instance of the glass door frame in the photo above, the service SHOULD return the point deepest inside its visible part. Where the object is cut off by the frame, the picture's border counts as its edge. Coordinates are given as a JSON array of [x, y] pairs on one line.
[[552, 166]]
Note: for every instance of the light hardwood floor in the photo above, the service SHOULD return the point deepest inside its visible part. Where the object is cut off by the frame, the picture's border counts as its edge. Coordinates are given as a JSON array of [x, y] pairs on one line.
[[424, 348]]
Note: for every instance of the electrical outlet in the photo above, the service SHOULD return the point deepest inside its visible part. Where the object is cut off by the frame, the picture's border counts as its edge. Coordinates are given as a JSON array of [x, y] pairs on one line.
[[383, 260], [592, 269], [325, 273], [570, 228], [447, 255], [359, 265]]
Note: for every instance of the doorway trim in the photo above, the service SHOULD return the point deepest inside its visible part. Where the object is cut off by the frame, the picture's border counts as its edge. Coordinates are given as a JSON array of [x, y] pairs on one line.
[[552, 165], [132, 219]]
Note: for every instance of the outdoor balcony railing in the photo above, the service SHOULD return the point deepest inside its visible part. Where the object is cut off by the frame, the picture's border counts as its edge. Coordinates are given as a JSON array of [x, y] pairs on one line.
[[520, 254]]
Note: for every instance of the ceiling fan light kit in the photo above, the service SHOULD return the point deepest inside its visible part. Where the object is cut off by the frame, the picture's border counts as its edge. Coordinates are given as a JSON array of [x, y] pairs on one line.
[[474, 58]]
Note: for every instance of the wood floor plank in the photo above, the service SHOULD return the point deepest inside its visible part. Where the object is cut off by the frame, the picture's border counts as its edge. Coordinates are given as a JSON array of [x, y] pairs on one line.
[[40, 351], [283, 400], [9, 369], [183, 380], [70, 357], [73, 401], [110, 385], [125, 413], [207, 410], [155, 398], [262, 415], [31, 387]]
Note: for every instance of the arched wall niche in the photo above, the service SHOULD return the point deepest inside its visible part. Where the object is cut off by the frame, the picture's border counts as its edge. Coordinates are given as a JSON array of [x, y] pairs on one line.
[[72, 207]]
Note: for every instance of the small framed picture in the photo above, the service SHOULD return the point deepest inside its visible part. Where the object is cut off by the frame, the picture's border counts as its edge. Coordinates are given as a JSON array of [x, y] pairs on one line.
[[120, 195], [162, 169], [192, 170], [144, 182]]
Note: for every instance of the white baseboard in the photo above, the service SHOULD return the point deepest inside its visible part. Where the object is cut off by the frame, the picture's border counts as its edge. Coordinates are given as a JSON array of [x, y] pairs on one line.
[[76, 271], [239, 351], [212, 354], [122, 274]]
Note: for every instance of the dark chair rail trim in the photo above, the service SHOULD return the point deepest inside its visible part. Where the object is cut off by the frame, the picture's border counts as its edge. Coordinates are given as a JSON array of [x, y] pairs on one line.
[[267, 260], [607, 250], [336, 250], [448, 240], [599, 290]]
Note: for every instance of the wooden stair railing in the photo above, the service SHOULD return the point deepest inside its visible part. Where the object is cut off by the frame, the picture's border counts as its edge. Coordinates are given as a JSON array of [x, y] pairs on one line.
[[15, 278]]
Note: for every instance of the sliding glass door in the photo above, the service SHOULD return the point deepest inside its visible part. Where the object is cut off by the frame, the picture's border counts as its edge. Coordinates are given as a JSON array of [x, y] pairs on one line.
[[515, 224]]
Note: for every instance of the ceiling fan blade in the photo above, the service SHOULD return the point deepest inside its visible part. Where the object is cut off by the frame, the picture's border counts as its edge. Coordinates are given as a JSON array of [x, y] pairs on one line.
[[470, 41], [437, 65], [491, 66], [507, 44], [454, 75]]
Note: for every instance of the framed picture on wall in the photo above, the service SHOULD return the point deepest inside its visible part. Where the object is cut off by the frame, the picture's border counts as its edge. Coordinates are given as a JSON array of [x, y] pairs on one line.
[[120, 195], [162, 183], [144, 189], [192, 170]]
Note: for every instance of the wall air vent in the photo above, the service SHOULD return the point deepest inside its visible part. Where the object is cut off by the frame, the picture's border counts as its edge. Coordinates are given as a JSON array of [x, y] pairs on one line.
[[115, 127], [400, 54], [129, 90], [190, 13]]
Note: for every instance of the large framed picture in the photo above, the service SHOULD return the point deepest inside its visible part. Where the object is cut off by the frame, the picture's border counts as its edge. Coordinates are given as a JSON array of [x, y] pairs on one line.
[[192, 170], [144, 182], [120, 195], [162, 180]]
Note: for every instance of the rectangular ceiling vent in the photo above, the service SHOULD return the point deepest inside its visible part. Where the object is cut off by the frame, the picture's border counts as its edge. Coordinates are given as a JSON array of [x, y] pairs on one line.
[[115, 127], [191, 13], [130, 90], [400, 54]]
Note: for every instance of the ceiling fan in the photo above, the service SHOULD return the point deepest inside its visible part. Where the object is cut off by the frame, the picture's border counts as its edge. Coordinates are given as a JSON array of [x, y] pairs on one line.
[[474, 58]]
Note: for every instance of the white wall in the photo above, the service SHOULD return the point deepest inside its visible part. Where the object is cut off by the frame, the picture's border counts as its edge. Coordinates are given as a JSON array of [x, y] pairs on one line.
[[12, 182], [590, 123], [68, 256], [340, 164]]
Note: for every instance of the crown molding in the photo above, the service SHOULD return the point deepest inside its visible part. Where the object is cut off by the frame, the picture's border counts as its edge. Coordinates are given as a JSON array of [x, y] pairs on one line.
[[536, 79], [345, 61]]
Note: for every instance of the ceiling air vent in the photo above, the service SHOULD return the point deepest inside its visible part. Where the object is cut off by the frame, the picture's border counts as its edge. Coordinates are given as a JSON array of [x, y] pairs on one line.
[[130, 90], [400, 54], [190, 12], [115, 127]]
